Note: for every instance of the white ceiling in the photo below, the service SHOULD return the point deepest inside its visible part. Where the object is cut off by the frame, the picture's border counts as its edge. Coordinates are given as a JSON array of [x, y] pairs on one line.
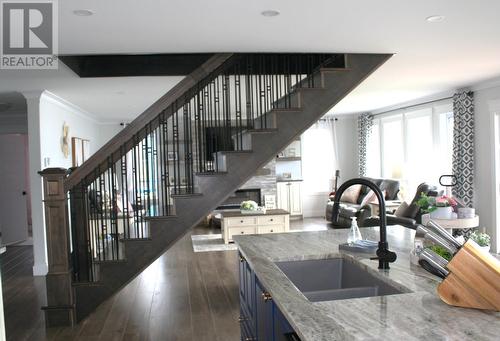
[[429, 58]]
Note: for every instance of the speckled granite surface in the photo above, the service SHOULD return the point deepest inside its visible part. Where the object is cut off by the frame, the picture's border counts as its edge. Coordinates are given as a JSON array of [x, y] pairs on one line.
[[417, 314]]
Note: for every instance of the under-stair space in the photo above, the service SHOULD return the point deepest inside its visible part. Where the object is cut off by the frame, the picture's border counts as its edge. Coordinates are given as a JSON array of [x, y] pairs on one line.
[[180, 159]]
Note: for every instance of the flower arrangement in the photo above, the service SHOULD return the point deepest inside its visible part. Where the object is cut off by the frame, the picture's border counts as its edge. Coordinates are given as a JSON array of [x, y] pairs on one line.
[[482, 239], [249, 205], [430, 204]]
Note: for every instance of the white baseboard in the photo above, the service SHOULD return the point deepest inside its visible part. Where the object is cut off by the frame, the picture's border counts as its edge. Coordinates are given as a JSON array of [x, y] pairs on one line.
[[40, 269]]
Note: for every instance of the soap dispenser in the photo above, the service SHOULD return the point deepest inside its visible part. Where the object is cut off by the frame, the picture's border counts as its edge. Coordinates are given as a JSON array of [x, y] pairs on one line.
[[354, 234]]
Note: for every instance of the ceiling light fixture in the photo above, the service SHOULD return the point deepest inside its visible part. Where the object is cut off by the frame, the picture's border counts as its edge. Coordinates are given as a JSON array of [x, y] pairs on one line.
[[435, 18], [270, 13], [83, 12]]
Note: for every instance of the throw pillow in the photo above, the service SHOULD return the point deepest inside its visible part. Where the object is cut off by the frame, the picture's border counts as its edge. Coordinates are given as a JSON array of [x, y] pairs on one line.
[[411, 211], [371, 198], [351, 194], [401, 209]]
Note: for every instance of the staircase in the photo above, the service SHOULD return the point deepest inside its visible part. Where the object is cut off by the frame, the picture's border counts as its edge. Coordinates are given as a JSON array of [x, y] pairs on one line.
[[187, 153]]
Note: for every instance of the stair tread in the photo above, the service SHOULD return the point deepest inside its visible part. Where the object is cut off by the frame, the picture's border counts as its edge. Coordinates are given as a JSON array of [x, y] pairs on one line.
[[210, 173], [295, 109], [265, 130], [311, 89], [111, 261], [235, 151], [186, 195], [135, 240], [333, 69], [173, 216]]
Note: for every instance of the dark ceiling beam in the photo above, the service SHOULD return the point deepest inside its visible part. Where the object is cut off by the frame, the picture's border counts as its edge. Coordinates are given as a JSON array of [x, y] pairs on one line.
[[135, 65]]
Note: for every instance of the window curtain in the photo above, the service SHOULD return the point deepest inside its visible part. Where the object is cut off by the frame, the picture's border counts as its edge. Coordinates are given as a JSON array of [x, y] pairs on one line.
[[319, 156], [463, 146], [365, 124]]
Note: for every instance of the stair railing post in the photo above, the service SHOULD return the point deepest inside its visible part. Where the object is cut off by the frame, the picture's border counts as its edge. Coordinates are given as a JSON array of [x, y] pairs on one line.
[[60, 302]]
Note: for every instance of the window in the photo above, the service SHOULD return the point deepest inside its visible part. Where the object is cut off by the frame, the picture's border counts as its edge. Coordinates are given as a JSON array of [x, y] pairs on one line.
[[413, 145], [392, 148], [319, 157]]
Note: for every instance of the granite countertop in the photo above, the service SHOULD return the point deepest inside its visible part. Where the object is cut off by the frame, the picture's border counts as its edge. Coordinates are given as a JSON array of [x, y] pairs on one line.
[[418, 314]]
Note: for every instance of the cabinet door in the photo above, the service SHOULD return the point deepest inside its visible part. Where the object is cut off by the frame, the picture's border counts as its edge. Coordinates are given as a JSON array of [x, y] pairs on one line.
[[282, 195], [295, 198], [264, 311], [281, 326]]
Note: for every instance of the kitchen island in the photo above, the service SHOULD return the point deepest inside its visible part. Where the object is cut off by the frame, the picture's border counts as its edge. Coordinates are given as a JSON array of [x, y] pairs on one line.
[[272, 307]]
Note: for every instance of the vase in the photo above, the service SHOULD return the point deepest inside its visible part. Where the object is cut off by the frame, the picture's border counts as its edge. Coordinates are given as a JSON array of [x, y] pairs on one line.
[[485, 248], [442, 213]]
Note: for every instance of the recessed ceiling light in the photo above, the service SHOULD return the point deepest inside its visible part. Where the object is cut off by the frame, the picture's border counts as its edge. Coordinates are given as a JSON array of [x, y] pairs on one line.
[[435, 18], [270, 13], [83, 12]]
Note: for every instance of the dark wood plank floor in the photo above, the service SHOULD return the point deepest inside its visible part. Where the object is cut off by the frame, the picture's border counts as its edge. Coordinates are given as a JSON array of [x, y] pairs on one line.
[[182, 296]]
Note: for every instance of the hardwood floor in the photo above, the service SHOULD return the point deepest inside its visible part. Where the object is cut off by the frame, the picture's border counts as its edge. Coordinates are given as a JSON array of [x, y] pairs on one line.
[[181, 296]]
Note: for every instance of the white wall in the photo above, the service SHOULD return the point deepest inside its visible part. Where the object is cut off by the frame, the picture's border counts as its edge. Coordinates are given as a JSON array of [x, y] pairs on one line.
[[46, 115], [313, 204], [487, 102], [54, 113]]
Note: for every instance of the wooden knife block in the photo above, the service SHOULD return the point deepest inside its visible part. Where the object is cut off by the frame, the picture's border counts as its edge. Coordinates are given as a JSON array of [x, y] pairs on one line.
[[474, 279]]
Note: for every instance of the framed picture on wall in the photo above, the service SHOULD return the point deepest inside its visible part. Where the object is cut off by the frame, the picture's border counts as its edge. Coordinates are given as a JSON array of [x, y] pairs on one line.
[[80, 150]]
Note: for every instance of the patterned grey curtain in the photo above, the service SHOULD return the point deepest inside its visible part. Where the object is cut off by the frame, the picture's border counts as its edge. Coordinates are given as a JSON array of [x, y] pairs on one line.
[[463, 146], [365, 123]]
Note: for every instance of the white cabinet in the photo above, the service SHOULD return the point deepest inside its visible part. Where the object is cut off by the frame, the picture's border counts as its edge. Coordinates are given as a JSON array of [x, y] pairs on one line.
[[289, 197], [235, 223]]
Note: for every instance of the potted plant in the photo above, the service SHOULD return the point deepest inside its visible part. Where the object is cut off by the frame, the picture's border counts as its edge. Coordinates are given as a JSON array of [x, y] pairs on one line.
[[482, 239], [438, 207]]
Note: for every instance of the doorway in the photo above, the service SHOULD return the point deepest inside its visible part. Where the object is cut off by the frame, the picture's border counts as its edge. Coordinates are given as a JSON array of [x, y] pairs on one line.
[[15, 203]]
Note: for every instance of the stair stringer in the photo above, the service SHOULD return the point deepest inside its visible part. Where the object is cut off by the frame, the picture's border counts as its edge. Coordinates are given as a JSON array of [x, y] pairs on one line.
[[240, 166]]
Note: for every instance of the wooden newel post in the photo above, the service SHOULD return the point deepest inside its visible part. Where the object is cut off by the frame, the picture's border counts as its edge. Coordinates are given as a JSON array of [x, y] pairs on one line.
[[60, 309]]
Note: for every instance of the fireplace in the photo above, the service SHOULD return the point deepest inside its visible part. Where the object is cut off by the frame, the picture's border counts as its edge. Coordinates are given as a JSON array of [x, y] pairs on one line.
[[234, 201]]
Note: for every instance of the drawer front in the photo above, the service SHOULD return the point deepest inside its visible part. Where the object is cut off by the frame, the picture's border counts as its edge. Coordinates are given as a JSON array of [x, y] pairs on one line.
[[242, 221], [238, 231], [269, 220], [271, 229]]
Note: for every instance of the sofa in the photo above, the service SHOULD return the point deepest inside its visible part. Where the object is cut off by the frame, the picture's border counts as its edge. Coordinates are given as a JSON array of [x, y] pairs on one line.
[[356, 209], [407, 215]]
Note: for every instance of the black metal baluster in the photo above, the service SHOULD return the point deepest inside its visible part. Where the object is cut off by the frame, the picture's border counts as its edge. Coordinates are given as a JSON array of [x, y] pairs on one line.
[[114, 208]]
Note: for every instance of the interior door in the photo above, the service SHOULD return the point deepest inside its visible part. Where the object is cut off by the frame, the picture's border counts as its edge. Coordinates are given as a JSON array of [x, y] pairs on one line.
[[13, 189]]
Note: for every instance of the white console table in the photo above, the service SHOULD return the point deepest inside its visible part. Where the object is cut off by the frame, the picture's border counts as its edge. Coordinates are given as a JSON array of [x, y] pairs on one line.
[[237, 223]]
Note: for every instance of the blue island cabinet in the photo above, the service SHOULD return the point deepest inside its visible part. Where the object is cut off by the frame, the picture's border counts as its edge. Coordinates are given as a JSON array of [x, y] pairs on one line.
[[260, 319]]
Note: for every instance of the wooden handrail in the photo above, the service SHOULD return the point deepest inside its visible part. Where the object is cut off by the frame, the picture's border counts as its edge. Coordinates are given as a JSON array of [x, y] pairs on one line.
[[124, 136]]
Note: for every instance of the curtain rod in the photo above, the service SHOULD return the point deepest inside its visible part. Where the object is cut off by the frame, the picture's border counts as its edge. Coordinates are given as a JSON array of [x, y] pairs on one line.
[[415, 105], [329, 119]]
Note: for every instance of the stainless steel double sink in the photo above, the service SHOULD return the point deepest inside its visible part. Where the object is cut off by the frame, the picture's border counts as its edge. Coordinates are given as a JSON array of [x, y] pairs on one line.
[[335, 279]]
